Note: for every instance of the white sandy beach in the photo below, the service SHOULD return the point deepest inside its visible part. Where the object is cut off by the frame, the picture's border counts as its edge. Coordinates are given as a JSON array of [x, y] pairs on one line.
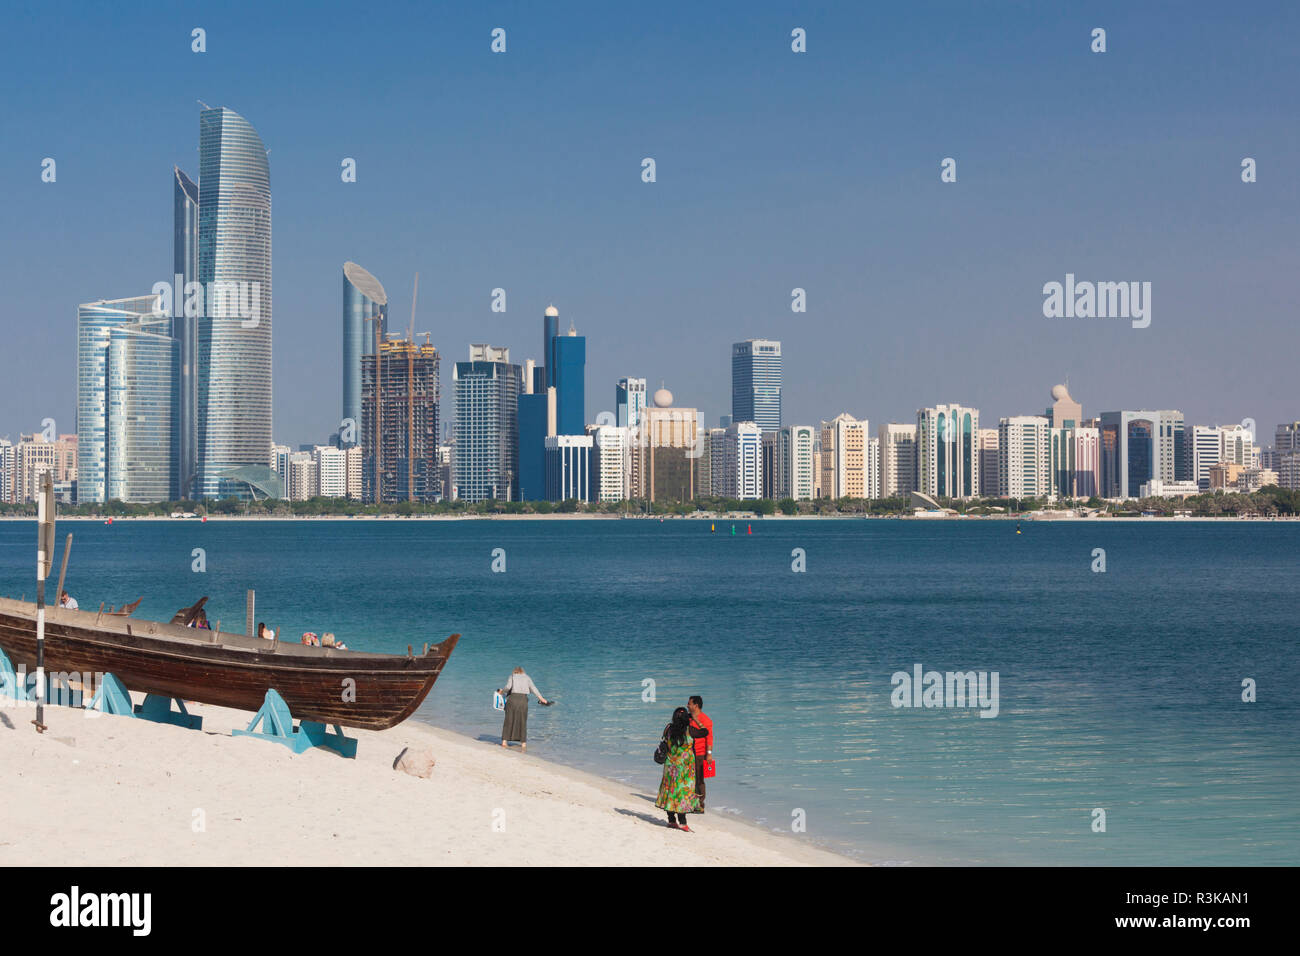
[[120, 791]]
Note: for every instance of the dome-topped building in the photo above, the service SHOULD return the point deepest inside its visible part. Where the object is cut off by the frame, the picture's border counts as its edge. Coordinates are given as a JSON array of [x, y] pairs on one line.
[[663, 398], [1064, 412]]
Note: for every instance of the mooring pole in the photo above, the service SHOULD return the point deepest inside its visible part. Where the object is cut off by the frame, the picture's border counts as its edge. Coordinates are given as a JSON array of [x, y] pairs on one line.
[[44, 559], [252, 600]]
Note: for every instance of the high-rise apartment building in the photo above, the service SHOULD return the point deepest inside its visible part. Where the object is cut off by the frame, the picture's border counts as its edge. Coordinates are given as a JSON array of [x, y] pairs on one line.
[[756, 383], [988, 452], [233, 338], [1286, 439], [737, 465], [848, 469], [33, 456], [897, 459], [331, 471], [948, 458], [127, 380], [1024, 457], [6, 471], [796, 468], [610, 452], [486, 457]]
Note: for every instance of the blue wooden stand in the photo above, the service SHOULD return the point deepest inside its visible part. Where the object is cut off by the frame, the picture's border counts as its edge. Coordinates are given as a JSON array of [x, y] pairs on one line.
[[10, 686], [158, 708], [113, 698], [277, 726], [9, 679]]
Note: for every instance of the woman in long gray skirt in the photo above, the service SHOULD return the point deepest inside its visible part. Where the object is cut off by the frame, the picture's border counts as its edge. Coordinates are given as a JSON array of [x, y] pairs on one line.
[[517, 689]]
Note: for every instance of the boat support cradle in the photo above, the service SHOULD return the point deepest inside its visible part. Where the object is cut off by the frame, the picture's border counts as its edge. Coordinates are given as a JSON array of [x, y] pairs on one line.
[[277, 726]]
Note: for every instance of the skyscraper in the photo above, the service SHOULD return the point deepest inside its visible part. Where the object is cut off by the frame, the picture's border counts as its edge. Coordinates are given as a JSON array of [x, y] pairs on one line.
[[756, 383], [126, 396], [566, 369], [485, 462], [234, 334], [185, 266], [364, 299], [399, 422], [629, 401], [1138, 446], [947, 451]]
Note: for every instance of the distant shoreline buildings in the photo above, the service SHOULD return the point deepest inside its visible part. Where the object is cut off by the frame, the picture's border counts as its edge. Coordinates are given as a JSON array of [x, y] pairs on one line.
[[174, 402]]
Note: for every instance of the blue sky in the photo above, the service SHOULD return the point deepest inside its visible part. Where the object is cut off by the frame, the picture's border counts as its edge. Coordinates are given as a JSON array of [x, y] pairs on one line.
[[775, 170]]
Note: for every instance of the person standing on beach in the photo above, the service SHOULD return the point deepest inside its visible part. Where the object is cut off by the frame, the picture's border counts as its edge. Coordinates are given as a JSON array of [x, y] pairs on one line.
[[703, 746], [677, 785], [516, 691]]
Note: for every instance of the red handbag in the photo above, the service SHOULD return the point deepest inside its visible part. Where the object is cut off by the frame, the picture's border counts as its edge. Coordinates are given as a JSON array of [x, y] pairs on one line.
[[709, 769]]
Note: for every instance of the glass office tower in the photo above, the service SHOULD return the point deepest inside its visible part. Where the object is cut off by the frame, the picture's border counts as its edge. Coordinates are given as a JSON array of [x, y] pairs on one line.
[[126, 396], [233, 350], [756, 383], [185, 266], [486, 460], [364, 299]]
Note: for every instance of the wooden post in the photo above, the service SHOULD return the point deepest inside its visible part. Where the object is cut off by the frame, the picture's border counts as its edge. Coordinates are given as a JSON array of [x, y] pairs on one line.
[[63, 569], [252, 601]]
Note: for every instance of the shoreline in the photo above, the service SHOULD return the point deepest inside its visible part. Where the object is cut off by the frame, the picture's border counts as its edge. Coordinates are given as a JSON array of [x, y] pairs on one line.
[[118, 791], [702, 516]]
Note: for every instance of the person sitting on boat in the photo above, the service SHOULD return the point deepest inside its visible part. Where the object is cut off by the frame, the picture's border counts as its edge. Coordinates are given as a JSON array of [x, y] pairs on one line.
[[310, 639], [517, 689], [265, 632], [68, 601], [202, 621], [329, 640]]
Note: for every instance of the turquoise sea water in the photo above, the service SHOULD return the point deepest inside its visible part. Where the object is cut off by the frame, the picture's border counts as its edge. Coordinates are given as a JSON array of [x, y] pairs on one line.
[[1118, 690]]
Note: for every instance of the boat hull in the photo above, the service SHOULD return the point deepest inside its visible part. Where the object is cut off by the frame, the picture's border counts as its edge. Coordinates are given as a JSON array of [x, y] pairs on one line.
[[352, 689]]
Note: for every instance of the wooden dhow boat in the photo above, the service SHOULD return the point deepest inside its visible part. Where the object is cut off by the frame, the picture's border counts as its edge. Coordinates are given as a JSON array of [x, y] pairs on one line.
[[324, 684], [225, 669]]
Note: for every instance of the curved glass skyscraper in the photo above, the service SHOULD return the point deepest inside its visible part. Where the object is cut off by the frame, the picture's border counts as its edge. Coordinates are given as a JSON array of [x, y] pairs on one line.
[[126, 367], [363, 298], [233, 353], [185, 265]]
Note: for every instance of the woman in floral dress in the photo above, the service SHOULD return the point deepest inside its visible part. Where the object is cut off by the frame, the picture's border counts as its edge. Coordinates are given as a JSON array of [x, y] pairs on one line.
[[677, 788]]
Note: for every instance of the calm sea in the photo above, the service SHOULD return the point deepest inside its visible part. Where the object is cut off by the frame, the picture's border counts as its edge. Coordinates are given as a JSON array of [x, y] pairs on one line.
[[1119, 690]]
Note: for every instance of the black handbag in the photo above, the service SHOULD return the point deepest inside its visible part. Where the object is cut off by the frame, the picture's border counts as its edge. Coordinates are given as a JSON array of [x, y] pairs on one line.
[[661, 752]]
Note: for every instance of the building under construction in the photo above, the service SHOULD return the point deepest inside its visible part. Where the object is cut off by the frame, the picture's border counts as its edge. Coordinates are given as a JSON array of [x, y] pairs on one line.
[[399, 422]]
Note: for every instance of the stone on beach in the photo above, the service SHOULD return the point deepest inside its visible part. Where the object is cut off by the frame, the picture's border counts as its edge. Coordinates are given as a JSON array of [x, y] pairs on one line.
[[417, 762]]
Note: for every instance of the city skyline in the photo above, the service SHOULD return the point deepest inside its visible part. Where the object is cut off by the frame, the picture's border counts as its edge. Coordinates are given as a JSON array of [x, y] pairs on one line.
[[938, 311]]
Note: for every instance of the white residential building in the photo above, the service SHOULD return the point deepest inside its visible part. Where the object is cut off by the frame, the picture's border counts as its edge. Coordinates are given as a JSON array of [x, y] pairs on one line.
[[1024, 457], [612, 453], [302, 483], [897, 460], [795, 463], [331, 471], [737, 462]]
